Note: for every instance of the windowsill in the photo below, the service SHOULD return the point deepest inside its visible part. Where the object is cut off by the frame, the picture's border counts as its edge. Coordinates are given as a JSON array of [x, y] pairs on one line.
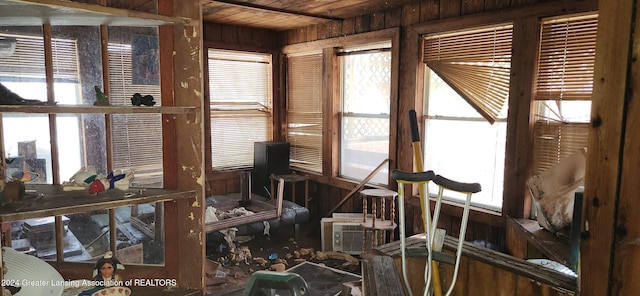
[[454, 209]]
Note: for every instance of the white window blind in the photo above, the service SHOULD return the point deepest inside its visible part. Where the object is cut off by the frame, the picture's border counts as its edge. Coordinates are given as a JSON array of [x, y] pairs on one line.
[[564, 87], [567, 55], [137, 138], [240, 92], [27, 60], [476, 64], [304, 111]]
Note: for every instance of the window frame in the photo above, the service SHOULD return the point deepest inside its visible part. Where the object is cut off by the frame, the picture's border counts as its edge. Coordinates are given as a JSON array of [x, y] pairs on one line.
[[446, 57], [331, 99], [362, 49], [207, 97]]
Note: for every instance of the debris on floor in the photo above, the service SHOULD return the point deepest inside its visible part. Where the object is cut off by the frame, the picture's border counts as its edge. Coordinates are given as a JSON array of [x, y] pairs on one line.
[[229, 269]]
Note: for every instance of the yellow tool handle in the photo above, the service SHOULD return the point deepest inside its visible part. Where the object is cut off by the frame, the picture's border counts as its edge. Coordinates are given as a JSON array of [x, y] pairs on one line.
[[417, 154]]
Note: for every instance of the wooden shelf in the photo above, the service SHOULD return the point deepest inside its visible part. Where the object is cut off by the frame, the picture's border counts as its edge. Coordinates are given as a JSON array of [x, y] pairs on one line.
[[86, 109], [56, 202], [67, 13], [545, 241]]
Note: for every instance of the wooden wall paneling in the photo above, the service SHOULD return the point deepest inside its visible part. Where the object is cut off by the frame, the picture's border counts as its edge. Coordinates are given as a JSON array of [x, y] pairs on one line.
[[414, 219], [291, 37], [230, 34], [528, 287], [393, 17], [519, 155], [312, 33], [245, 35], [362, 24], [429, 10], [490, 5], [604, 157], [444, 222], [302, 34], [465, 282], [481, 232], [516, 3], [324, 31], [377, 21], [348, 26], [415, 273], [335, 29], [450, 8], [212, 31], [471, 6], [485, 279], [516, 244]]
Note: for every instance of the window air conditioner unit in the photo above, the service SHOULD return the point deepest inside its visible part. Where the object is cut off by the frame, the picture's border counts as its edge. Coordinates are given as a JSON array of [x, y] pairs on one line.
[[343, 233]]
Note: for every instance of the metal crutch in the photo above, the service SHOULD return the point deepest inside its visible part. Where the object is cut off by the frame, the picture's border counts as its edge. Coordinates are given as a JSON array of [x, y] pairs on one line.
[[468, 189], [422, 179]]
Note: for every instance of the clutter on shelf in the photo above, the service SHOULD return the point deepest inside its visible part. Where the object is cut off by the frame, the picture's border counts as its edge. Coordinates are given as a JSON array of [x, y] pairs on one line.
[[88, 178]]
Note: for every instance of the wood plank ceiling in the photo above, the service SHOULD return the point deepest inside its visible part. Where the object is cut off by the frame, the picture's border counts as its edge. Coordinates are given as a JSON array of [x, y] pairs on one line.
[[283, 15]]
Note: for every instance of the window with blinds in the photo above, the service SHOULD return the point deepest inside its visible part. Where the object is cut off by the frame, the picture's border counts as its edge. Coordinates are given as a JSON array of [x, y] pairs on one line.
[[136, 138], [476, 64], [304, 111], [240, 96], [563, 88], [22, 71], [26, 61]]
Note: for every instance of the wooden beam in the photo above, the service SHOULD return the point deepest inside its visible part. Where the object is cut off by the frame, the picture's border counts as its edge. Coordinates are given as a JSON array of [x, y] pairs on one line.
[[369, 37], [626, 252], [519, 155], [545, 9], [279, 10], [604, 151]]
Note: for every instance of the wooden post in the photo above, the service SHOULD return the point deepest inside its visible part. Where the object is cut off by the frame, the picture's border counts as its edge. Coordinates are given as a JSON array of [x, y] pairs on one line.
[[609, 199]]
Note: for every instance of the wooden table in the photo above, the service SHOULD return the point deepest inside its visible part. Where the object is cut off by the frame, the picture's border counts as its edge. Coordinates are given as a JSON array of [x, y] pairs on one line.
[[292, 179]]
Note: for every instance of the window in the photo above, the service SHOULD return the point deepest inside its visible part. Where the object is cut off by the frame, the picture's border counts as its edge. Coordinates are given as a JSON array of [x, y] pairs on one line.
[[304, 110], [23, 72], [240, 96], [467, 89], [563, 88], [365, 93], [137, 138]]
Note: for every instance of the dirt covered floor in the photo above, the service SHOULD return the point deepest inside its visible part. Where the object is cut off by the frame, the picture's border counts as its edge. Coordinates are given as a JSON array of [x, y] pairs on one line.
[[228, 272]]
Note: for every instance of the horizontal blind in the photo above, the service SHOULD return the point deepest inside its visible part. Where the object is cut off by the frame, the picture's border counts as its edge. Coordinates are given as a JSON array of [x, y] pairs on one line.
[[240, 92], [557, 140], [304, 111], [27, 60], [476, 64], [567, 56], [137, 138]]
